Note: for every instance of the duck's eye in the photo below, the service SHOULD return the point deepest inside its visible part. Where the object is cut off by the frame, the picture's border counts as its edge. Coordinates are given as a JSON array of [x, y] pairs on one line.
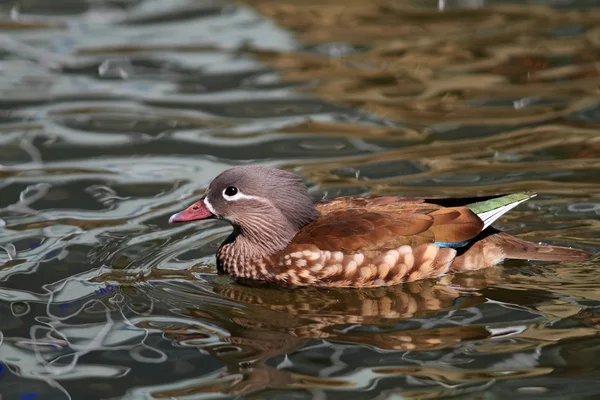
[[231, 191]]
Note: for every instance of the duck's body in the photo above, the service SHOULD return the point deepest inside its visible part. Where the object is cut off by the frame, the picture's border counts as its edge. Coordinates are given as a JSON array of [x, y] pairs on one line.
[[283, 236]]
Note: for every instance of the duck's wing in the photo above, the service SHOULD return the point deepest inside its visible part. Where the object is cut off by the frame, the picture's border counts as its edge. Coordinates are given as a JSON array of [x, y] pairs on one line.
[[389, 225], [451, 221]]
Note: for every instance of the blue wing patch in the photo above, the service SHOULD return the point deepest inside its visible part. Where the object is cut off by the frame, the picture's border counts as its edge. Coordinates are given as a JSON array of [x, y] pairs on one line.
[[452, 244]]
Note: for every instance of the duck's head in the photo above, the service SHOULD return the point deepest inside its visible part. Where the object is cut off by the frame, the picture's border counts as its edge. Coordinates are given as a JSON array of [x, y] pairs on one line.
[[263, 203]]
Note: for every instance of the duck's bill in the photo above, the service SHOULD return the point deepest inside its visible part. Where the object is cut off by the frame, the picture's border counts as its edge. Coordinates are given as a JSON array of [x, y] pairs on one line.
[[196, 211]]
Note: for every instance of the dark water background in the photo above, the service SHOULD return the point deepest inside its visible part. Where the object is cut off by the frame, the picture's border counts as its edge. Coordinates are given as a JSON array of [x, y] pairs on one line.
[[116, 113]]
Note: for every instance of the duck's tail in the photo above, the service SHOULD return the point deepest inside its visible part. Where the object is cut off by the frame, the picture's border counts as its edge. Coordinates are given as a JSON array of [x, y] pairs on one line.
[[520, 249], [490, 210]]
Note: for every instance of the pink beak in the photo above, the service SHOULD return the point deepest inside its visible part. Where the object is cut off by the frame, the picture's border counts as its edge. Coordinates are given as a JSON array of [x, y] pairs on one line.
[[194, 212]]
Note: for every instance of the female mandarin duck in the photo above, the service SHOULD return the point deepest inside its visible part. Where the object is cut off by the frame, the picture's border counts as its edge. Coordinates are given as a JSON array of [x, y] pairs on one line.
[[281, 235]]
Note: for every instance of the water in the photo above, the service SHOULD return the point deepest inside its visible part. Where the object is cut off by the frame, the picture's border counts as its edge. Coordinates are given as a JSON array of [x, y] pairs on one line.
[[114, 114]]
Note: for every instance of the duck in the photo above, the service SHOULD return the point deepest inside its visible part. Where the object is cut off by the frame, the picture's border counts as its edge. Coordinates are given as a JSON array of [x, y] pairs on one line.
[[282, 235]]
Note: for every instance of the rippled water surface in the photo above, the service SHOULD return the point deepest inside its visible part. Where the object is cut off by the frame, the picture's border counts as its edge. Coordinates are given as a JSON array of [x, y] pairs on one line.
[[116, 113]]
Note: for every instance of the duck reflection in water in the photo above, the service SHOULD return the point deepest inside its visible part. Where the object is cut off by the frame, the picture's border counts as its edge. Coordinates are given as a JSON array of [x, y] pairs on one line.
[[255, 331]]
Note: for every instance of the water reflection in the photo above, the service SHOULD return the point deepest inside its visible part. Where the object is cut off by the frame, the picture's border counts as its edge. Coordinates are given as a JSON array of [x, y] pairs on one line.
[[452, 336]]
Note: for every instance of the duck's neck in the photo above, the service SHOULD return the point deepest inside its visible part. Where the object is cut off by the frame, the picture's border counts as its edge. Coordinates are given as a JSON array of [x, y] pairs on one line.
[[251, 251]]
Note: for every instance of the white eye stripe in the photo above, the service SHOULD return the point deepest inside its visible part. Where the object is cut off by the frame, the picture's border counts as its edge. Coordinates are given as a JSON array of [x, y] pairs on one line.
[[209, 206], [239, 195]]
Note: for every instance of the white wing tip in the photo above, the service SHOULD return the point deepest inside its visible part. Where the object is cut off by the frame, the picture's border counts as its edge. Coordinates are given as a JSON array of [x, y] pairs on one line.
[[489, 217]]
